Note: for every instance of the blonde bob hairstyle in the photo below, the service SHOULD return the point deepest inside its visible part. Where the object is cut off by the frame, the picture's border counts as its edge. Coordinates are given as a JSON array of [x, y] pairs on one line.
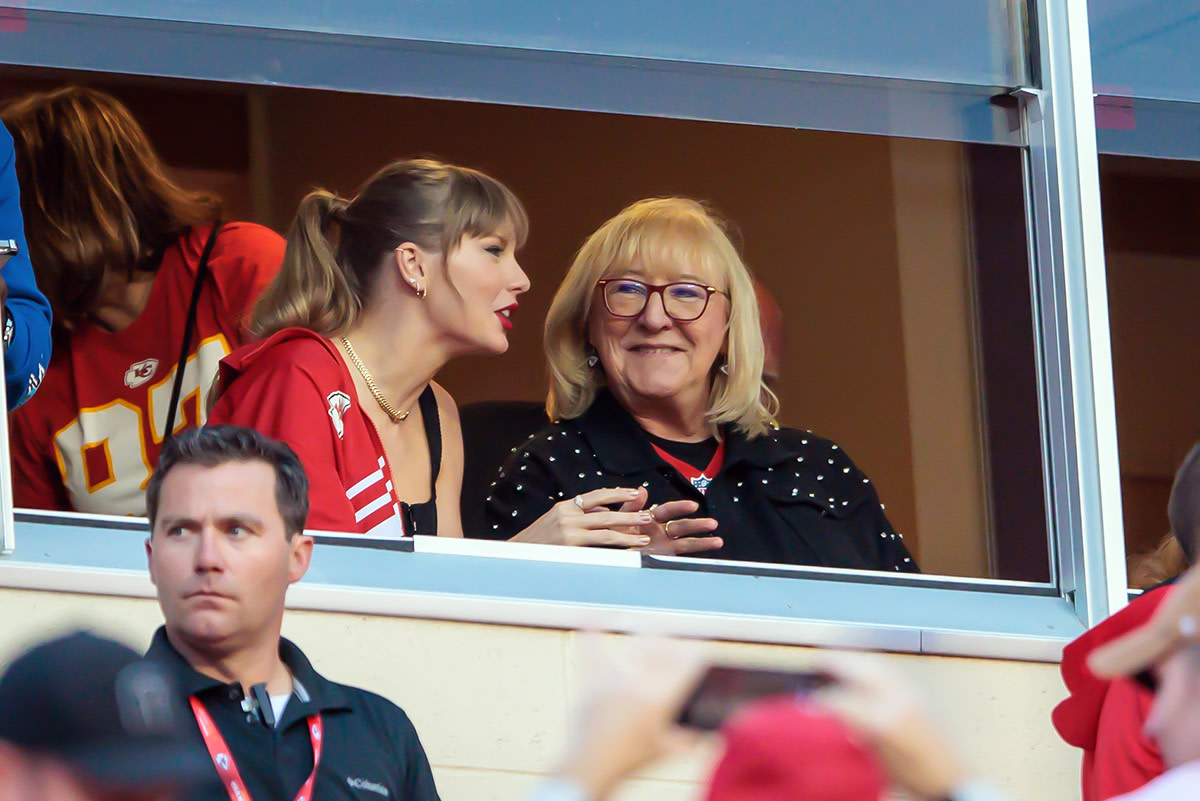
[[661, 231]]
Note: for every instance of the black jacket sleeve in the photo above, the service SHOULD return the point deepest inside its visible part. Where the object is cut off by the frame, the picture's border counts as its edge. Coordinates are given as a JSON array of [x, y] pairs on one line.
[[525, 488], [868, 540], [881, 543]]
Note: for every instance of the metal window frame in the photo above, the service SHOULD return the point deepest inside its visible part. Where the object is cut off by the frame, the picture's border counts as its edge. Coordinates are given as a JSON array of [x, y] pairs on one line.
[[1068, 280], [1080, 430]]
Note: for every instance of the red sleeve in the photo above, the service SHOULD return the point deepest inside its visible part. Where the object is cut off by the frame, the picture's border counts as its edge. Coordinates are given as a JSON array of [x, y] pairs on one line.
[[1125, 757], [37, 481], [245, 261], [280, 397]]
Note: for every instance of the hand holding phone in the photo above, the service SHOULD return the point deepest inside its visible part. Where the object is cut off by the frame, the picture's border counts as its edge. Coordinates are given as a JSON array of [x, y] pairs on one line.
[[725, 689]]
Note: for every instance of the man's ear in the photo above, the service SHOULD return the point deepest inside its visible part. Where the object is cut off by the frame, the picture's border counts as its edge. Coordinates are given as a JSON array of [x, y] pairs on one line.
[[150, 557], [301, 557]]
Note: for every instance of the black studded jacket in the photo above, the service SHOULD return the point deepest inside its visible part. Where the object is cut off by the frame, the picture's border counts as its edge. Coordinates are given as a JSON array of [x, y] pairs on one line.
[[788, 497]]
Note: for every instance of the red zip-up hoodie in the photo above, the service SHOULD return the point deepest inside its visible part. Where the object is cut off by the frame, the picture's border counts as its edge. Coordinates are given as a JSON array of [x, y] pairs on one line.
[[1105, 718]]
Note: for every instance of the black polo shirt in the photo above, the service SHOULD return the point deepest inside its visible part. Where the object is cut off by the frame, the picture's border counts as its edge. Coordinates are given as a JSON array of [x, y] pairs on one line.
[[370, 750], [787, 497]]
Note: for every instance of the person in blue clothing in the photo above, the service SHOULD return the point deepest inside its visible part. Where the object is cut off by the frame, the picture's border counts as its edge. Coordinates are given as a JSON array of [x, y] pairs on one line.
[[26, 310]]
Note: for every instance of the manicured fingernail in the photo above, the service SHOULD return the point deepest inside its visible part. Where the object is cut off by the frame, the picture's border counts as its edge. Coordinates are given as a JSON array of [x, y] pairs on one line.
[[646, 517], [631, 493], [644, 541]]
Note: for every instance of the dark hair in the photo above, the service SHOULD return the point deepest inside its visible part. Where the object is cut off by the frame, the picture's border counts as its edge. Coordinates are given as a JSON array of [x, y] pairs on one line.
[[95, 197], [212, 446], [335, 246], [1183, 509]]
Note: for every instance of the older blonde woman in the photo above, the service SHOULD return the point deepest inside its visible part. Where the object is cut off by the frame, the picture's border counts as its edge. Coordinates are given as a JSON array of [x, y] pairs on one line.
[[656, 361]]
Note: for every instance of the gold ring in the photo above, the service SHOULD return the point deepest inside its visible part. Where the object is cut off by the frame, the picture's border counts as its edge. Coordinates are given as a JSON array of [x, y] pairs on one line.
[[667, 527]]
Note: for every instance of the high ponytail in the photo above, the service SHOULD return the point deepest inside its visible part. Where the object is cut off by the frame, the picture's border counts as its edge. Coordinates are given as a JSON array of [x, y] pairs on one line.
[[312, 289], [336, 247]]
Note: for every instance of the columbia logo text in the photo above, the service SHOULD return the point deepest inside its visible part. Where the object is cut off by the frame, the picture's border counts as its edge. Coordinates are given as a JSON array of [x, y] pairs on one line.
[[370, 786]]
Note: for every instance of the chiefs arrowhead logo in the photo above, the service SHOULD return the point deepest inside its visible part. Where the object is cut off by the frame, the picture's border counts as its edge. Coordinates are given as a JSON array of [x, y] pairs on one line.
[[140, 372], [339, 404]]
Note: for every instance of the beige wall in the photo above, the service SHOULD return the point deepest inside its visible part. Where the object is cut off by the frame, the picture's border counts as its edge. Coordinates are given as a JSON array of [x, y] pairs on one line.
[[491, 702]]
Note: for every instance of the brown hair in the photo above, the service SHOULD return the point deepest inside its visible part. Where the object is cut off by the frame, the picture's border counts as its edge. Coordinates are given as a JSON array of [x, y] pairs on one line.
[[1165, 562], [335, 246], [95, 197]]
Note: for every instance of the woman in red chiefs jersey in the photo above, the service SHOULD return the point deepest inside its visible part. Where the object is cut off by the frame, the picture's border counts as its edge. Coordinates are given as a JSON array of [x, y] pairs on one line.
[[124, 255], [375, 295]]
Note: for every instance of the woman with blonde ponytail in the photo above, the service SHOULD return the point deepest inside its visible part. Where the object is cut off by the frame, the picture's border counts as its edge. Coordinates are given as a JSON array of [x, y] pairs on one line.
[[376, 294]]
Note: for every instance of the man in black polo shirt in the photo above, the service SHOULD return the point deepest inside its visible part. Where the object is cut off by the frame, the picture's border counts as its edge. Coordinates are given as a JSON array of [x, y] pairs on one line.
[[227, 509]]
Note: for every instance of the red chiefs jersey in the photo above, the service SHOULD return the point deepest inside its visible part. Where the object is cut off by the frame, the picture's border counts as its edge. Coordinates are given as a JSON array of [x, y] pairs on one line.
[[88, 440], [294, 387]]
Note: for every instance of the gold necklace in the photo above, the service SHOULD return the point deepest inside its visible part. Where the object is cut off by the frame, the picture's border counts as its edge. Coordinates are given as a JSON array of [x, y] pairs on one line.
[[391, 411]]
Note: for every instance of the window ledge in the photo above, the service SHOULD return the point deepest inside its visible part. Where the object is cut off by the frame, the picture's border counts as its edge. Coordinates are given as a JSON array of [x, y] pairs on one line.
[[554, 587]]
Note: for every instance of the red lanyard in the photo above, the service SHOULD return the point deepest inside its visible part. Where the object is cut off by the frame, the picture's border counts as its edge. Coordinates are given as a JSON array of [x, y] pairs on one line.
[[700, 479], [227, 769]]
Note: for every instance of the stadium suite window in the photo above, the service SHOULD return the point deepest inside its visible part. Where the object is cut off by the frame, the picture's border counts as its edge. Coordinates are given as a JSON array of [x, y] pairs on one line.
[[1152, 254], [900, 266], [1147, 83]]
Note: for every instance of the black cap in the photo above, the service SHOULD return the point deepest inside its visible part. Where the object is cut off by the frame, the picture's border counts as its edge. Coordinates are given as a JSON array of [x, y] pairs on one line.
[[94, 704]]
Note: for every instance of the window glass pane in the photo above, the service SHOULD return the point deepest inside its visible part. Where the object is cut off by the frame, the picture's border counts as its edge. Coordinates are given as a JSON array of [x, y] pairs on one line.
[[543, 66], [900, 267], [1146, 48], [1147, 77], [885, 39], [1152, 253]]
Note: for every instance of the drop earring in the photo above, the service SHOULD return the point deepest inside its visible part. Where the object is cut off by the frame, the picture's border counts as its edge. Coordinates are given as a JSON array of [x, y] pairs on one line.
[[724, 368], [593, 358]]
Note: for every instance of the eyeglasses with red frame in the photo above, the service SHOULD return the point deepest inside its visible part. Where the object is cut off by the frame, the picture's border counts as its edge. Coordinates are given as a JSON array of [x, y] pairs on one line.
[[683, 301]]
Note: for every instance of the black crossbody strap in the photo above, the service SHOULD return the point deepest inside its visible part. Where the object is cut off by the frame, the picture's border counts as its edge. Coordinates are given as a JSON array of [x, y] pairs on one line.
[[193, 307]]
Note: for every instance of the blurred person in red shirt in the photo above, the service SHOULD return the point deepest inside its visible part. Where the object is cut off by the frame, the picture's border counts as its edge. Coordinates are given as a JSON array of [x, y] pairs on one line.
[[124, 256], [1107, 717], [1164, 655]]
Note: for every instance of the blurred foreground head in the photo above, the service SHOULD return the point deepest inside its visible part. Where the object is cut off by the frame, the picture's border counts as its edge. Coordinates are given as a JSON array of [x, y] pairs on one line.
[[83, 718], [784, 749]]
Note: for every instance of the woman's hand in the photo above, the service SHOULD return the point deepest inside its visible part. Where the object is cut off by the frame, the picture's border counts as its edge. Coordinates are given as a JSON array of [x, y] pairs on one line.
[[586, 520], [671, 535]]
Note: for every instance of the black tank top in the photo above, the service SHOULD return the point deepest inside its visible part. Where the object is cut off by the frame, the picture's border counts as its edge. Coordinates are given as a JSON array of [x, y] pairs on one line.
[[421, 518]]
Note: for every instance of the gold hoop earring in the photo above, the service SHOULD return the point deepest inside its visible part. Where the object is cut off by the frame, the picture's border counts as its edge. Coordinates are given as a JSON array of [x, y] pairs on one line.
[[421, 292]]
